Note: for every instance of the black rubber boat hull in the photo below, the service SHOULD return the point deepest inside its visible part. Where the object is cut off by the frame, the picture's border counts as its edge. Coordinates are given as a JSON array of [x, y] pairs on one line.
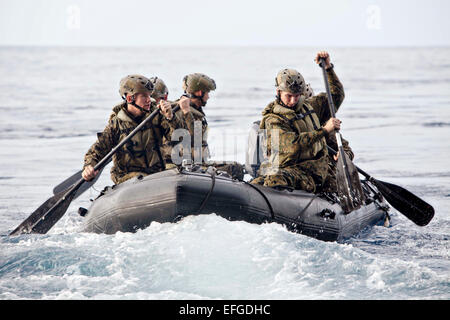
[[169, 196]]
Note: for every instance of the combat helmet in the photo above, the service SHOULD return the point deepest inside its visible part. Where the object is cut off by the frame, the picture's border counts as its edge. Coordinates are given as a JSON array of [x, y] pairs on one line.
[[160, 89], [290, 80], [309, 92], [198, 81], [133, 84]]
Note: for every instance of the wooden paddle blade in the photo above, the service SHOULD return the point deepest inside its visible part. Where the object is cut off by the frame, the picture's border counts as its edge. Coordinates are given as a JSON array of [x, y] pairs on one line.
[[346, 171], [414, 208]]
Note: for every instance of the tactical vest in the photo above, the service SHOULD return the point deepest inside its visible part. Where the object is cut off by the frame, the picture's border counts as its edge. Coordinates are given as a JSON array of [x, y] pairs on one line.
[[197, 115], [141, 152], [300, 119]]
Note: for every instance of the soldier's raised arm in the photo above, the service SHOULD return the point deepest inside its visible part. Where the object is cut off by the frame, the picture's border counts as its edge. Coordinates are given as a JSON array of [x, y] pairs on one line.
[[320, 101]]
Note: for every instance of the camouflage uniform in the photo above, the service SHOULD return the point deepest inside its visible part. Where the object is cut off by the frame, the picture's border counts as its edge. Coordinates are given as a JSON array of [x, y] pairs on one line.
[[189, 119], [197, 114], [301, 161], [141, 155]]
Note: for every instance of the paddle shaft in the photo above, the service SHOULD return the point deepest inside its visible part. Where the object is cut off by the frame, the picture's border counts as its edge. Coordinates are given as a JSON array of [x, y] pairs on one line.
[[66, 184], [365, 174], [337, 133]]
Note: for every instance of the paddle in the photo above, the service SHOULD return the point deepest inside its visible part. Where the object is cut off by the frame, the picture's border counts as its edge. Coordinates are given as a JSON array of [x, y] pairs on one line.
[[411, 206], [349, 187], [45, 217], [73, 179]]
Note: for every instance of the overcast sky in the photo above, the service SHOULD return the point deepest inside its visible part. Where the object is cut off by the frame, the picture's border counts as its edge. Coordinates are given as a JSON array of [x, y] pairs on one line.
[[231, 22]]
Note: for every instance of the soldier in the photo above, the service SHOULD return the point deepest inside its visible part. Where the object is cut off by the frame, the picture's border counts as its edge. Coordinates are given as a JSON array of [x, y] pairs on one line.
[[160, 92], [141, 155], [330, 182], [300, 160], [197, 87]]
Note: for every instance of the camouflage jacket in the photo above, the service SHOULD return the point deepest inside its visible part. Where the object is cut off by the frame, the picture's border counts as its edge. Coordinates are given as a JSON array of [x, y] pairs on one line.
[[301, 138], [199, 149], [142, 153]]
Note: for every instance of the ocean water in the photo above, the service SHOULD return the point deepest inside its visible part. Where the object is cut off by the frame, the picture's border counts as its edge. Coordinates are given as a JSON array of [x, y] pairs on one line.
[[396, 116]]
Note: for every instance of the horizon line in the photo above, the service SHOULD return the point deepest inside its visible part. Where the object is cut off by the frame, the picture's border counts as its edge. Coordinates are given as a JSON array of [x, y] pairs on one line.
[[400, 46]]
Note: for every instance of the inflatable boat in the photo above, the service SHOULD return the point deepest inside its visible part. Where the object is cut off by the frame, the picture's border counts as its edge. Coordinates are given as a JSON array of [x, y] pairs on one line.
[[170, 195]]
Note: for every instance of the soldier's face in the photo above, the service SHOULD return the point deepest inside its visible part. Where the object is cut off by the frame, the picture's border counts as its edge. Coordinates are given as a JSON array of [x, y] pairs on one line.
[[203, 101], [205, 97], [143, 100], [289, 99]]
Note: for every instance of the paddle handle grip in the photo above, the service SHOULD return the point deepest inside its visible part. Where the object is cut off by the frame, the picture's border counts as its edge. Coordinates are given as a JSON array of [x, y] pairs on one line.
[[330, 100], [327, 87]]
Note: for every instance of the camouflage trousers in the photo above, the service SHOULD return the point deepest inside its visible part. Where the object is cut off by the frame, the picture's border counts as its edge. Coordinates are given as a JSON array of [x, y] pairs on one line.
[[288, 177], [330, 184]]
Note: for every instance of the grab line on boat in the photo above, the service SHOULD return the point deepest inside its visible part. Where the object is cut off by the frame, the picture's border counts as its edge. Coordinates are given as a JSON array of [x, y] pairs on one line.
[[213, 183], [272, 215]]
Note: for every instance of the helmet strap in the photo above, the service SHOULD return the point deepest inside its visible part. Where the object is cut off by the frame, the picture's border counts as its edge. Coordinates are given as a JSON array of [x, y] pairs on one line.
[[133, 103], [280, 102], [193, 96], [139, 107]]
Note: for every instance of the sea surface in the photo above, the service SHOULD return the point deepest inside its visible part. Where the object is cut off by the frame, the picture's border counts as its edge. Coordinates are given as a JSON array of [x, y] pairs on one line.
[[396, 115]]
